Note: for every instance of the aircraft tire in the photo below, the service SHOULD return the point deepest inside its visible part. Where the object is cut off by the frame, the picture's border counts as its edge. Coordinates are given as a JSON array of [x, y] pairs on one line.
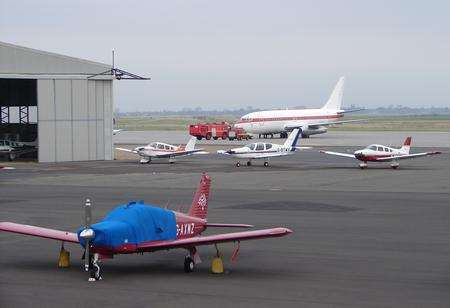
[[199, 137], [189, 264], [395, 167], [249, 163], [238, 164], [266, 164]]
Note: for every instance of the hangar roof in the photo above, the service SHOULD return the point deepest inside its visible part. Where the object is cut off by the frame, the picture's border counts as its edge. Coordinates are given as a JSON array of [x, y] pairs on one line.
[[23, 62]]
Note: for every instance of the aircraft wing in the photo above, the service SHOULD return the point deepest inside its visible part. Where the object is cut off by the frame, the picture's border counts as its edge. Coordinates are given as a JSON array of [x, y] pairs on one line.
[[338, 154], [409, 156], [214, 239], [350, 110], [181, 153], [40, 232], [312, 125], [127, 150]]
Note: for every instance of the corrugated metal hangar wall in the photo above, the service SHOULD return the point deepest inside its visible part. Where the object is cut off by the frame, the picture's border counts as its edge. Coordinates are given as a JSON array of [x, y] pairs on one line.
[[74, 120], [74, 105]]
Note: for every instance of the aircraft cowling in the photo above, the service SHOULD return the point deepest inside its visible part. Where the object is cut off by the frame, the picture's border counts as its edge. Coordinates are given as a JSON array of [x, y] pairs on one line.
[[314, 131]]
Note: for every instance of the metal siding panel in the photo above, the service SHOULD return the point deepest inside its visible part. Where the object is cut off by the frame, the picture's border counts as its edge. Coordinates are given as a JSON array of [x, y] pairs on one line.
[[79, 99], [108, 119], [63, 99], [80, 140], [46, 133], [46, 107], [92, 115], [99, 98], [63, 141]]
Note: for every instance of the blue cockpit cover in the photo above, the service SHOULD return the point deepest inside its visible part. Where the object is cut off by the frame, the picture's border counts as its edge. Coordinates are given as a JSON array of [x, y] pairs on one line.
[[133, 223]]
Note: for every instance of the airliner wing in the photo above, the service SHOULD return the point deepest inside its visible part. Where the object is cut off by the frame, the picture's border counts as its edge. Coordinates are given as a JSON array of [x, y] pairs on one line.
[[409, 156], [40, 232], [127, 150], [338, 154], [350, 110], [312, 125], [214, 239]]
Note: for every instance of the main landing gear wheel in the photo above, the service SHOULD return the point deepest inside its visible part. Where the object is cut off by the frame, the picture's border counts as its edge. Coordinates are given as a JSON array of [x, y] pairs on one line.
[[395, 167], [249, 163], [266, 164], [189, 264], [363, 166], [238, 164], [95, 272]]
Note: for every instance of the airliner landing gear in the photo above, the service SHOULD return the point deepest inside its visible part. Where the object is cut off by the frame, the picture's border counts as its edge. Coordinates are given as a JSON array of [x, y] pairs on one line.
[[363, 165], [249, 163], [238, 164], [266, 164]]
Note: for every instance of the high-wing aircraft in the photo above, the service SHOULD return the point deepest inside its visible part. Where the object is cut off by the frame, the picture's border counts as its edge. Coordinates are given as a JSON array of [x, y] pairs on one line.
[[164, 150], [137, 228], [313, 121], [382, 153], [265, 150]]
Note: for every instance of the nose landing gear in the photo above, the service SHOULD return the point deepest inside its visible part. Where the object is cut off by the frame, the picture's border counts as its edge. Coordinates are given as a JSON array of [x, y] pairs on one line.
[[363, 165]]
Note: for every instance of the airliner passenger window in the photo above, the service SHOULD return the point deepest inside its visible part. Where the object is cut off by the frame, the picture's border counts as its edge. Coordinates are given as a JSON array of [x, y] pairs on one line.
[[161, 146], [380, 149], [167, 147], [268, 146]]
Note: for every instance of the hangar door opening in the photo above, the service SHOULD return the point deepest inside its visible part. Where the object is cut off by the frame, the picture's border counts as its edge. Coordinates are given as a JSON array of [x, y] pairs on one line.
[[18, 119]]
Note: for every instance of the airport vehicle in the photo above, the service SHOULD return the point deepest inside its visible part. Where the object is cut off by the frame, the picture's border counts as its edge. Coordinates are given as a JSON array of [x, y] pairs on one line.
[[137, 228], [265, 151], [14, 149], [382, 153], [312, 121], [221, 130], [164, 150]]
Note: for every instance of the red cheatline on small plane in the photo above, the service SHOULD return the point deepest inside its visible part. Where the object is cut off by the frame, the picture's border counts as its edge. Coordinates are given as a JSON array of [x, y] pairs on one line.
[[137, 228], [382, 153]]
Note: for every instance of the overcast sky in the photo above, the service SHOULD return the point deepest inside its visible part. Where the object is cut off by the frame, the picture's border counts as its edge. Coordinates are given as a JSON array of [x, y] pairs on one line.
[[232, 54]]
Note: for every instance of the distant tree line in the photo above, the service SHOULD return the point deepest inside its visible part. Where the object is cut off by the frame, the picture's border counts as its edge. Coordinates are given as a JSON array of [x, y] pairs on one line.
[[199, 112]]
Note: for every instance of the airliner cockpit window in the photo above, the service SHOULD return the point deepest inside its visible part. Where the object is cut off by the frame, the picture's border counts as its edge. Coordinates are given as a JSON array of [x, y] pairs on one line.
[[251, 146], [153, 145], [372, 147]]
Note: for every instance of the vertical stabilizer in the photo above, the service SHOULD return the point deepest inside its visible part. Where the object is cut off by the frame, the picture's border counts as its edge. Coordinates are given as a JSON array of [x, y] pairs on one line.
[[199, 207], [191, 144], [406, 145], [291, 141], [335, 100]]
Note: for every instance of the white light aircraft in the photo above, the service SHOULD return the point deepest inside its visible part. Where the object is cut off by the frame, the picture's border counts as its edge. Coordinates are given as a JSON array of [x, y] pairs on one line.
[[312, 121], [382, 153], [164, 150], [265, 150]]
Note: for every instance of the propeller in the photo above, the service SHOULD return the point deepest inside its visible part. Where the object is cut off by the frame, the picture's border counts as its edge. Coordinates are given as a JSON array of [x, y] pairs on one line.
[[87, 234]]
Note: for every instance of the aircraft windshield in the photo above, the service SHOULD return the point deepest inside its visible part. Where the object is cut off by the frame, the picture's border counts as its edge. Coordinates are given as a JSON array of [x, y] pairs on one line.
[[251, 146], [372, 147]]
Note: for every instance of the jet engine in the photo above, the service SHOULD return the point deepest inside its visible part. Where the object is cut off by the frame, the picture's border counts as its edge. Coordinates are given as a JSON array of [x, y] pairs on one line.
[[314, 130]]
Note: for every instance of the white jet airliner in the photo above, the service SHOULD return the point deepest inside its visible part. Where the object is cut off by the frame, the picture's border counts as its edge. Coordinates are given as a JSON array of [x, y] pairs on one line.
[[265, 150], [382, 153], [164, 150], [312, 121]]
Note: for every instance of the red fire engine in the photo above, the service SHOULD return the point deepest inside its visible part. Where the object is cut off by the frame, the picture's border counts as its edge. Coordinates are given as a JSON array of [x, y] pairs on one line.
[[221, 130]]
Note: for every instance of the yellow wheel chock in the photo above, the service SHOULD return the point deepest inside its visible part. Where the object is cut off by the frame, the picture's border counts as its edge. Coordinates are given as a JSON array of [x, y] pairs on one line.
[[217, 263], [64, 258]]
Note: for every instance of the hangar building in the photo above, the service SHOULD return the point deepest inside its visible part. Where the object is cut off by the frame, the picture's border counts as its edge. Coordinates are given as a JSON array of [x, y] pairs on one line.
[[71, 100]]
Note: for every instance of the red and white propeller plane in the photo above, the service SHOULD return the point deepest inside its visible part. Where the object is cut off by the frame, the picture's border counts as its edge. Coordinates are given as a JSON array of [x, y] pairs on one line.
[[138, 228], [164, 150], [382, 153]]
